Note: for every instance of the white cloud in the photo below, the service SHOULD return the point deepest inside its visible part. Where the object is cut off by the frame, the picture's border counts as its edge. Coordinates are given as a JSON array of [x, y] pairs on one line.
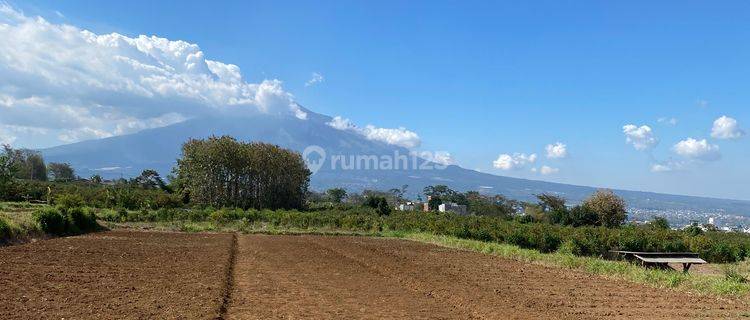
[[341, 123], [393, 136], [515, 161], [398, 136], [668, 121], [314, 79], [557, 151], [444, 158], [78, 84], [726, 128], [697, 149], [547, 170], [660, 168], [702, 103], [642, 138]]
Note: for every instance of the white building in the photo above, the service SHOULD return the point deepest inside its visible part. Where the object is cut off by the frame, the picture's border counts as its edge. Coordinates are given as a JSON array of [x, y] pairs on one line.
[[452, 207], [409, 206]]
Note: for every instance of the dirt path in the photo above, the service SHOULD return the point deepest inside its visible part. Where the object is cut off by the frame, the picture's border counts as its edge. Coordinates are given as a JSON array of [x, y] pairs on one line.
[[115, 275], [313, 277]]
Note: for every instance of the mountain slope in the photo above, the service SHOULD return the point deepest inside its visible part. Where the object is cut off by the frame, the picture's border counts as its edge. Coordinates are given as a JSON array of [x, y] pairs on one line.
[[158, 148]]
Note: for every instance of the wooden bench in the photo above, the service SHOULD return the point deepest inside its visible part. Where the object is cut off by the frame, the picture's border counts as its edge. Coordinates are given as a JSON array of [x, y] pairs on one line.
[[661, 259]]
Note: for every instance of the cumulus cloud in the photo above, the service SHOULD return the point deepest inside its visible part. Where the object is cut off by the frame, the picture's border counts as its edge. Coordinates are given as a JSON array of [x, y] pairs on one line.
[[78, 84], [642, 138], [697, 150], [515, 161], [726, 128], [314, 79], [393, 136], [557, 151]]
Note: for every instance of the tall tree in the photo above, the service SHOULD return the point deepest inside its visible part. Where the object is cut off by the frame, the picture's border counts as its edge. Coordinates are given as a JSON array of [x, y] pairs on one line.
[[61, 171], [150, 179], [6, 177], [221, 171], [336, 194], [610, 208], [28, 164]]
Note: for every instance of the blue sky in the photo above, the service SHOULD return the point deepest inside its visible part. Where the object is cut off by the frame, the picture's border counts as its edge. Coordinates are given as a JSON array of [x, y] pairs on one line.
[[480, 79]]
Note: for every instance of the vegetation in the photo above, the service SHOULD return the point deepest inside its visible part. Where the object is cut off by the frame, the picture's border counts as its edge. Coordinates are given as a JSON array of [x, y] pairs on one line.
[[263, 187], [27, 164], [61, 172], [224, 172]]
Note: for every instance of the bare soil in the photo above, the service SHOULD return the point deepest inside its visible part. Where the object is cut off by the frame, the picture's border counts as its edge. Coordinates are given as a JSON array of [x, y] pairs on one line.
[[294, 277], [115, 275], [158, 275]]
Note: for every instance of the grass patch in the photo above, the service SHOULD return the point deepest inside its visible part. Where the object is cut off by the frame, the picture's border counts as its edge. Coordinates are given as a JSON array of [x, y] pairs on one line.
[[17, 222]]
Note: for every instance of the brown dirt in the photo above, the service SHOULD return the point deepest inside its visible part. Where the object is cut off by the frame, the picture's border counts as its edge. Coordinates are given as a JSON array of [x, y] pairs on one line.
[[314, 277], [157, 275], [115, 275]]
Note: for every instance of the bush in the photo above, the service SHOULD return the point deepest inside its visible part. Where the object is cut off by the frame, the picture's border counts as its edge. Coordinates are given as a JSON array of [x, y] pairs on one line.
[[65, 222], [81, 220], [51, 221], [5, 230], [67, 201]]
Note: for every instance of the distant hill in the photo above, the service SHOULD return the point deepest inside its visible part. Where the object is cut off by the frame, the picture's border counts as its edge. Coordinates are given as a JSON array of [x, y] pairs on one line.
[[158, 148]]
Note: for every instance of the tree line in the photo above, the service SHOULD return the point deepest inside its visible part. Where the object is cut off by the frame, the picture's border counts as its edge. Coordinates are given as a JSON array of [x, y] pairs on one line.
[[224, 172]]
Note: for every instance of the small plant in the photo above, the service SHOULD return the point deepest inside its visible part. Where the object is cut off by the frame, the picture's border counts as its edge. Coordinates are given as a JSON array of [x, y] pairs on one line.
[[732, 273]]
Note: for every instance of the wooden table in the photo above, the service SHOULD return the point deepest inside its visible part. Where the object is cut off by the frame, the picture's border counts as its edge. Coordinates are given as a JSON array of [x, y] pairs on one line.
[[661, 259]]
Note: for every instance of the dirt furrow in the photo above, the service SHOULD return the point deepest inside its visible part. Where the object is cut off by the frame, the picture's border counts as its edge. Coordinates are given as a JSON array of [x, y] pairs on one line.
[[356, 277]]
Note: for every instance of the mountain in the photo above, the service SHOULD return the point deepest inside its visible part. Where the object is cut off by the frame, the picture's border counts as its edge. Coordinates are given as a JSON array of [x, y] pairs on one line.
[[157, 149]]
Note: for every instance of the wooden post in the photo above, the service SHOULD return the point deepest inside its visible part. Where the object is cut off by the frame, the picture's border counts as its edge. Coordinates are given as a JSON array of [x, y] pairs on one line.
[[686, 267]]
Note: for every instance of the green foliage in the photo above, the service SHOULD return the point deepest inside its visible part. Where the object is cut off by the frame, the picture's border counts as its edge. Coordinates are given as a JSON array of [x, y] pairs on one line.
[[659, 223], [694, 229], [65, 221], [549, 202], [610, 208], [69, 200], [224, 172], [732, 273], [7, 182], [5, 229], [51, 220], [27, 164], [496, 206], [336, 195], [380, 204], [61, 171]]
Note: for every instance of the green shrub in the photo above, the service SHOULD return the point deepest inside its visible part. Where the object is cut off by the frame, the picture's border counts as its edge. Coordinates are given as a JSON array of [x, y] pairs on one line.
[[109, 215], [81, 220], [67, 201], [5, 230], [51, 220]]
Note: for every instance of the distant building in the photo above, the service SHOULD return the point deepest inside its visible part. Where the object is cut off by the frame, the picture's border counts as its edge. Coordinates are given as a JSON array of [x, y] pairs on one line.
[[426, 204], [409, 206], [452, 207]]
